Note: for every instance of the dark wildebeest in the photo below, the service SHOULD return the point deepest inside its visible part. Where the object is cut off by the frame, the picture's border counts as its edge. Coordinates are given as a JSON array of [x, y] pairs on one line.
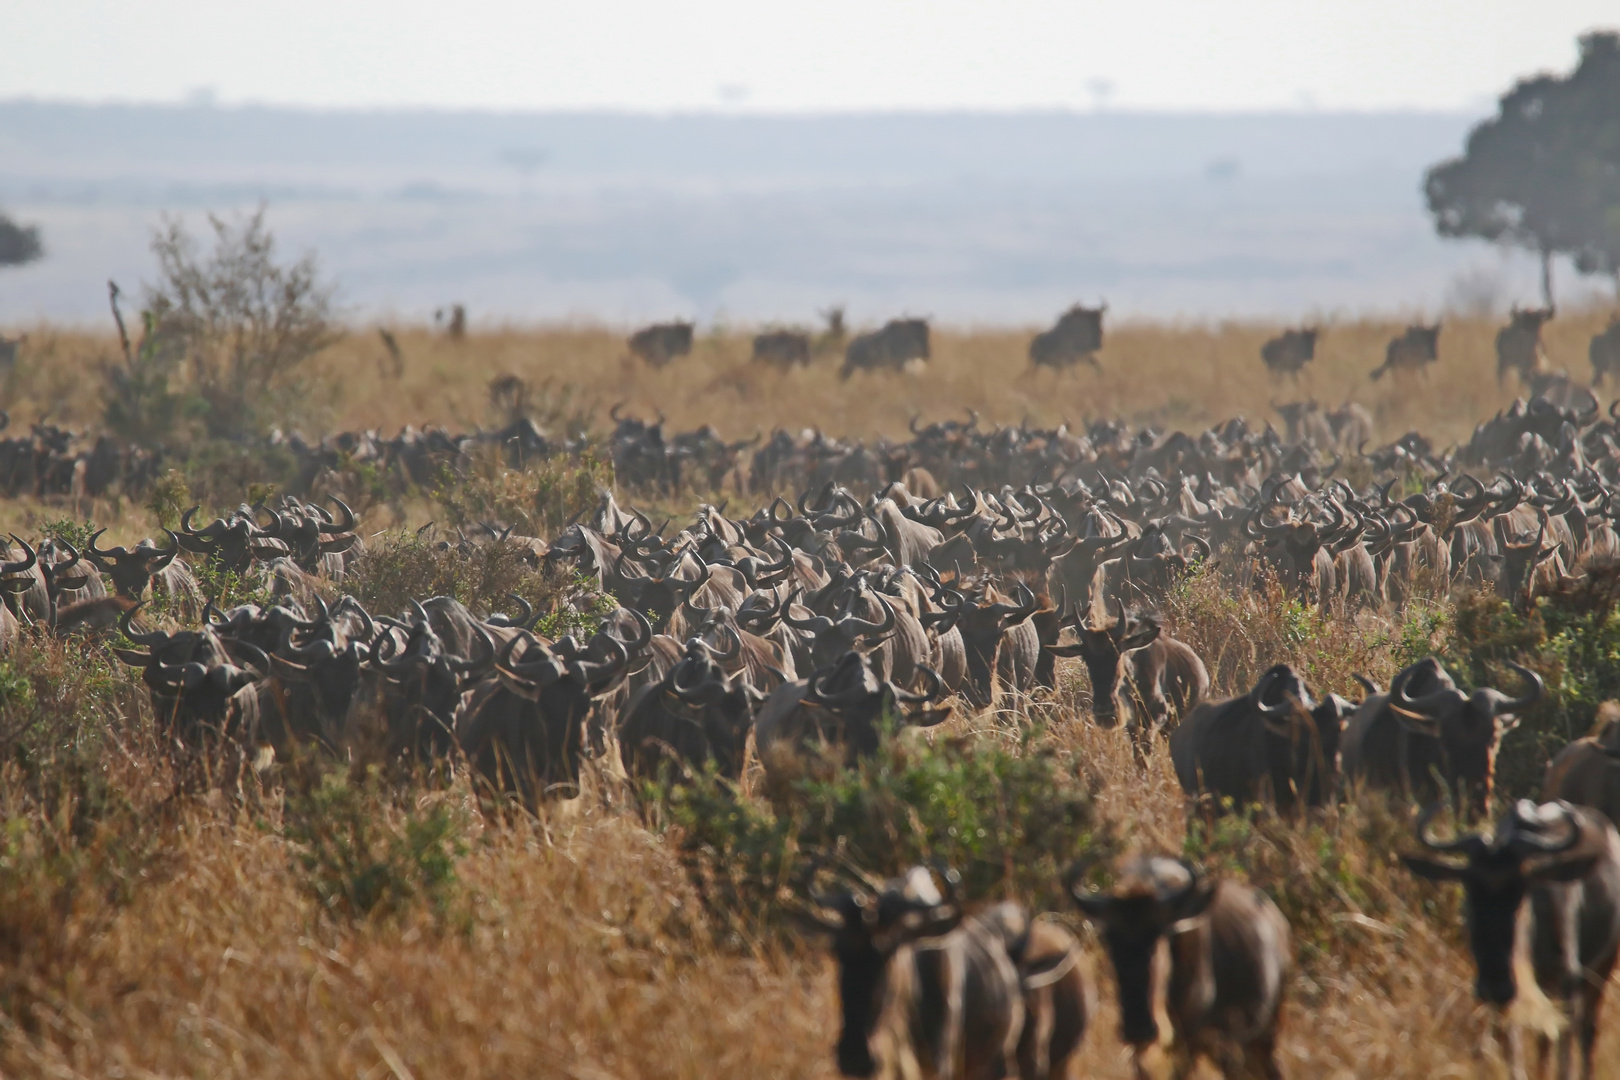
[[1518, 344], [1415, 349], [1074, 340], [1290, 351], [784, 348], [133, 570], [1153, 672], [1566, 859], [695, 714], [925, 991], [1001, 643], [1272, 743], [1587, 771], [896, 345], [662, 342], [842, 705], [1604, 352], [1425, 726], [1230, 953]]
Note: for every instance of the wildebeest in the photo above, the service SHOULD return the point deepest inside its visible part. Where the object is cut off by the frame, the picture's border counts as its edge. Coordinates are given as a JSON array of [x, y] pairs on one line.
[[1153, 672], [1272, 743], [1566, 860], [1290, 351], [134, 570], [896, 345], [927, 992], [523, 731], [841, 705], [1518, 344], [1587, 771], [1604, 352], [1074, 340], [662, 342], [1425, 726], [1414, 350], [784, 348], [1230, 953], [696, 713]]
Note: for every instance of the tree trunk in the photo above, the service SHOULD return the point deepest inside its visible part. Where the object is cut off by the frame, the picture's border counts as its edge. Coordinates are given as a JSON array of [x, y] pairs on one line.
[[1546, 278]]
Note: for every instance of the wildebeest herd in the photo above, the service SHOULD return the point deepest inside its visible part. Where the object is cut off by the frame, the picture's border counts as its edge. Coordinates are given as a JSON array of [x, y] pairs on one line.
[[897, 582], [1077, 337]]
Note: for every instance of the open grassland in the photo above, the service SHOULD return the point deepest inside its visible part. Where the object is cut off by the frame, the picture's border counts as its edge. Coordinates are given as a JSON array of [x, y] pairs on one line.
[[335, 925], [1169, 375]]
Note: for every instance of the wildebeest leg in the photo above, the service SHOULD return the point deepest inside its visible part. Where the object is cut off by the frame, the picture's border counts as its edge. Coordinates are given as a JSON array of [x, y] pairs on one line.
[[1590, 997], [1260, 1059]]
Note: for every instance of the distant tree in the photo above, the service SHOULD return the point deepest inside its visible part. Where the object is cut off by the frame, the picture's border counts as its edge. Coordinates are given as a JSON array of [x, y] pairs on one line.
[[243, 322], [1544, 174], [19, 244]]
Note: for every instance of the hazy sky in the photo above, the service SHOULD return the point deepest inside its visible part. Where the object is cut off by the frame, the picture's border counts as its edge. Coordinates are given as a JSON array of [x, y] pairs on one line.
[[830, 54]]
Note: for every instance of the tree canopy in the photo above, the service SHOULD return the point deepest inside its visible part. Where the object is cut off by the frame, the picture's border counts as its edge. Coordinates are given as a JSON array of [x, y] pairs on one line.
[[1544, 174], [19, 244]]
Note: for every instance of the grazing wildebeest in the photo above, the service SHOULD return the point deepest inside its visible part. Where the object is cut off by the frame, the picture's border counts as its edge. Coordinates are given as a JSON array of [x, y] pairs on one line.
[[784, 348], [1273, 742], [1566, 860], [1604, 352], [1290, 351], [1074, 340], [923, 990], [1425, 726], [1415, 349], [662, 342], [1518, 344], [1587, 771], [1155, 673], [896, 345], [1230, 953]]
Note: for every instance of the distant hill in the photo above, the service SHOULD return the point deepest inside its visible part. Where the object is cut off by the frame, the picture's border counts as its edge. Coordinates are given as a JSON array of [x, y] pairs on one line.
[[968, 217]]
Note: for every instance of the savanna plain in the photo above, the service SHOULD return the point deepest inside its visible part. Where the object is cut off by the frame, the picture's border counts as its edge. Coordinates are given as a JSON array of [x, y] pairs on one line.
[[331, 919]]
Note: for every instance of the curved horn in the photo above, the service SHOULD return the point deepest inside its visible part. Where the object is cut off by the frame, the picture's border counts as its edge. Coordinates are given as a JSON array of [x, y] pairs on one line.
[[348, 518]]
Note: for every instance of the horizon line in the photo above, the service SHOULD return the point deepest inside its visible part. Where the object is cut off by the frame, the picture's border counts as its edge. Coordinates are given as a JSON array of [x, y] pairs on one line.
[[722, 112]]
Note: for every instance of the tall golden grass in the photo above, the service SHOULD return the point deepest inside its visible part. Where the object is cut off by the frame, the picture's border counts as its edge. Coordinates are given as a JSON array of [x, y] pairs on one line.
[[1169, 374], [176, 937]]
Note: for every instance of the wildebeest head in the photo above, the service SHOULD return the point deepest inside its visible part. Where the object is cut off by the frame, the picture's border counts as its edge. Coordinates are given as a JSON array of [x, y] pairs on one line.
[[1101, 645], [132, 569], [867, 929], [1531, 843], [831, 638], [1152, 896], [233, 543], [851, 702], [982, 625], [1469, 727]]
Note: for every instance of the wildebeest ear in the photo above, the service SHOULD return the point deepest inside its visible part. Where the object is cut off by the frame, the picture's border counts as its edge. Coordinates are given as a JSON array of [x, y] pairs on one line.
[[1562, 869], [929, 717], [17, 584], [1197, 901], [1141, 638], [1434, 869], [1094, 905], [1077, 649], [1416, 722]]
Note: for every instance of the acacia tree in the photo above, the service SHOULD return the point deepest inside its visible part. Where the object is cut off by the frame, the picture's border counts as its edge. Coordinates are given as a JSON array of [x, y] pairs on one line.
[[19, 244], [1544, 174]]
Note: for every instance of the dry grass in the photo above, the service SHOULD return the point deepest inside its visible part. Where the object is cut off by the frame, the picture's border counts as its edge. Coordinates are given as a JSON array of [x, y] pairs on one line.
[[575, 947], [1165, 373], [167, 937]]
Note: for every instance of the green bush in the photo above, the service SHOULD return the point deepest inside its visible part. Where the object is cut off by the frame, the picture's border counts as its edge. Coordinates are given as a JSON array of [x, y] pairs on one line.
[[536, 500], [1009, 819], [359, 855], [1570, 637]]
